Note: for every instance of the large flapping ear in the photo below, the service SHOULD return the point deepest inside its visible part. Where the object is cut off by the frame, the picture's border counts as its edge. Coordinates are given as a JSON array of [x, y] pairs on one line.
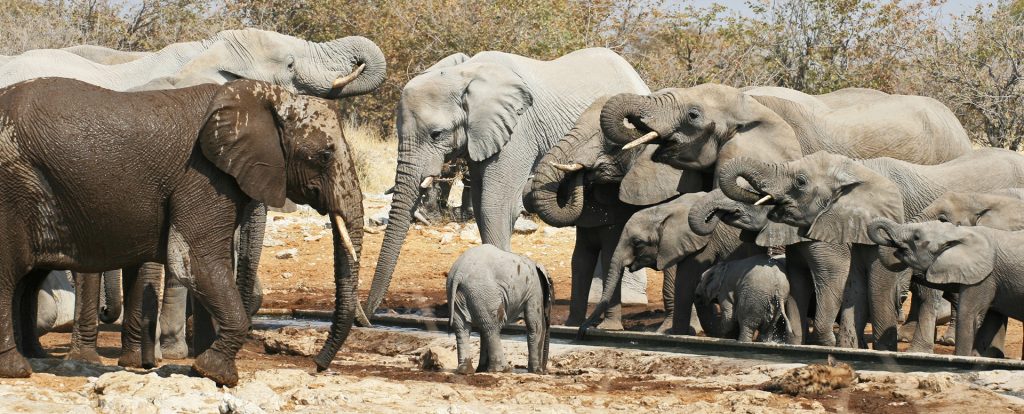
[[863, 195], [648, 182], [778, 234], [242, 137], [969, 261], [710, 283], [495, 98], [677, 240], [762, 135], [450, 60]]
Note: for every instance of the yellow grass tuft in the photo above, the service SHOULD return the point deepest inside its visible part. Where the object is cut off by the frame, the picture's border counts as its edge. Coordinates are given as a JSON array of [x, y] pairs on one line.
[[375, 157]]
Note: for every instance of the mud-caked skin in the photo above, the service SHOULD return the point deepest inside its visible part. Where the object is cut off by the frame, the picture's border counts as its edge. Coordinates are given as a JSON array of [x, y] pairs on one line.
[[488, 287], [191, 159], [752, 294], [982, 265]]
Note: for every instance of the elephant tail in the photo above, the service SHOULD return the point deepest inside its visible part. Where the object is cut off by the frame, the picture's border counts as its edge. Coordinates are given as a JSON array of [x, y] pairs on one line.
[[780, 322], [453, 292]]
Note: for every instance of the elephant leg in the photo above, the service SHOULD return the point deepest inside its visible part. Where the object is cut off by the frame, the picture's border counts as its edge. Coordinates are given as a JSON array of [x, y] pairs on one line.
[[203, 330], [462, 334], [907, 331], [883, 293], [746, 334], [495, 352], [949, 337], [216, 291], [991, 338], [86, 327], [138, 330], [485, 354], [27, 304], [609, 238], [668, 294], [854, 317], [172, 319], [687, 276], [250, 246], [924, 336], [584, 260], [535, 326], [12, 363], [829, 265], [798, 302]]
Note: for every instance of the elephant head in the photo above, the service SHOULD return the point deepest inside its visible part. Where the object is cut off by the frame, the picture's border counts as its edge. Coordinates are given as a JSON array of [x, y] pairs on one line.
[[715, 208], [976, 209], [942, 252], [828, 197], [278, 145], [581, 163], [342, 67], [698, 127], [455, 108]]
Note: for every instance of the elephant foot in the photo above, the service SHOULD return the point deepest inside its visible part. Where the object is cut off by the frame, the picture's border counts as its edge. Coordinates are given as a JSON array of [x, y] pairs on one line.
[[132, 358], [573, 321], [495, 368], [823, 338], [665, 327], [13, 365], [465, 368], [905, 333], [84, 354], [174, 350], [948, 338], [611, 325], [216, 366], [922, 348]]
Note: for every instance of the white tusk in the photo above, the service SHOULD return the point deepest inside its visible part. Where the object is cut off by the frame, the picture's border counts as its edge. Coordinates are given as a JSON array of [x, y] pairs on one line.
[[427, 182], [419, 216], [648, 137], [339, 222], [345, 80], [568, 167], [763, 200]]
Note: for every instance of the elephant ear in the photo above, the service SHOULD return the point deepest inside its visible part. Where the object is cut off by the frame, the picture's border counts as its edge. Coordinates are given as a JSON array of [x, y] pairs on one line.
[[860, 196], [761, 133], [448, 61], [710, 282], [677, 240], [547, 286], [648, 182], [778, 234], [495, 98], [969, 261], [242, 137]]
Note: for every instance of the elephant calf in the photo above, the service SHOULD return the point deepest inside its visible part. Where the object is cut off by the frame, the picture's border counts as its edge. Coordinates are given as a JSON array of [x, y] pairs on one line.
[[486, 286], [752, 293]]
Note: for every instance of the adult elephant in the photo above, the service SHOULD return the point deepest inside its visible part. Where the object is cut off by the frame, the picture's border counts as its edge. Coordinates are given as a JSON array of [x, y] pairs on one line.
[[503, 112], [179, 199], [576, 184], [343, 67], [832, 198], [702, 127]]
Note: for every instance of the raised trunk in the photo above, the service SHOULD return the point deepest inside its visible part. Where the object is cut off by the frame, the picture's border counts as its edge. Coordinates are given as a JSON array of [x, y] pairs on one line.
[[704, 215], [346, 279], [110, 303], [619, 109], [622, 256], [758, 173], [404, 201], [543, 198], [359, 51]]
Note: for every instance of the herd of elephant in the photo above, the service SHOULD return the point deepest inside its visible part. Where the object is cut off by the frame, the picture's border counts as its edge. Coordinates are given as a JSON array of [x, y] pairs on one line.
[[698, 182]]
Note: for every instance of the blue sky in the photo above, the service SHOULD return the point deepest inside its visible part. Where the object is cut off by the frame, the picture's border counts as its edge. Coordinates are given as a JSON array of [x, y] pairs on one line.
[[952, 7]]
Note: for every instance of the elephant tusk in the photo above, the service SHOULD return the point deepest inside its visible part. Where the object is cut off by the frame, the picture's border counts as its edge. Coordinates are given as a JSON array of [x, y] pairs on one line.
[[427, 182], [648, 137], [419, 216], [345, 80], [763, 200], [339, 222], [568, 167]]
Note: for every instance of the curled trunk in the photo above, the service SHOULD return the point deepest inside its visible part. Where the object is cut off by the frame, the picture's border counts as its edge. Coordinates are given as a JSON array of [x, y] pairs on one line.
[[617, 111], [548, 182], [110, 303], [704, 214], [358, 51], [885, 233], [757, 173], [346, 279], [404, 201]]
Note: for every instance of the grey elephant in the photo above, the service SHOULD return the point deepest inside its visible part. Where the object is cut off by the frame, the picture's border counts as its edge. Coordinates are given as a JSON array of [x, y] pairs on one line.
[[98, 54], [575, 184], [982, 265], [340, 68], [488, 287], [751, 293], [832, 198], [501, 111], [703, 127]]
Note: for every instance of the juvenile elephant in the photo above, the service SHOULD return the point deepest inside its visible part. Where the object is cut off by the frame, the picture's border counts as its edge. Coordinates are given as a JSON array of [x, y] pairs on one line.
[[660, 237], [832, 198], [982, 265], [190, 160], [577, 184], [752, 293], [503, 112], [488, 287]]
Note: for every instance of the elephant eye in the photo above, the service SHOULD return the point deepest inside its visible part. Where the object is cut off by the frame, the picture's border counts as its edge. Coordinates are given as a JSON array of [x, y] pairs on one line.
[[326, 156], [436, 134], [982, 213], [801, 181], [693, 114], [943, 218]]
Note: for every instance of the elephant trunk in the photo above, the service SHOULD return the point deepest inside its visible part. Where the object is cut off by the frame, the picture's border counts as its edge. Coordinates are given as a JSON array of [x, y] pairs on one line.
[[758, 173], [622, 257], [346, 280], [543, 197], [704, 214], [884, 232], [365, 57], [617, 111], [404, 201], [110, 303]]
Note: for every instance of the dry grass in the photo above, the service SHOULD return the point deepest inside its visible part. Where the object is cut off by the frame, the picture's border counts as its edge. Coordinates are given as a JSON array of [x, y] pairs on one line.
[[375, 157]]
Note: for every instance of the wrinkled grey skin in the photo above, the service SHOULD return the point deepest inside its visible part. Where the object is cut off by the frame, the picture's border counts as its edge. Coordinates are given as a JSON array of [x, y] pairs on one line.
[[980, 264], [832, 198], [660, 237], [503, 112], [487, 288], [752, 293], [589, 200]]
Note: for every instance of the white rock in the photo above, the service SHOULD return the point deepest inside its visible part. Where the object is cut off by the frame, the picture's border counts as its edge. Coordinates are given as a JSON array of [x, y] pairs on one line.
[[287, 253], [260, 394], [447, 238], [272, 242], [524, 226]]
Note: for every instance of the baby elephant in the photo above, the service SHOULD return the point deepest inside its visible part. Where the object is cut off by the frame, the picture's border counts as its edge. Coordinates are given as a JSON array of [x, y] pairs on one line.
[[752, 293], [487, 286]]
